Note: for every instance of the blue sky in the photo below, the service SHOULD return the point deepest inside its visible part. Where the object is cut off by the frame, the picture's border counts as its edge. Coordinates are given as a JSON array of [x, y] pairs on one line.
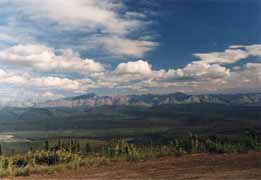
[[55, 48], [188, 26]]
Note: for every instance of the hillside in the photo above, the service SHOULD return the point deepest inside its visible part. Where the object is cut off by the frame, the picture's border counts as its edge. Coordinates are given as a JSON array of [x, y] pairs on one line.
[[194, 167]]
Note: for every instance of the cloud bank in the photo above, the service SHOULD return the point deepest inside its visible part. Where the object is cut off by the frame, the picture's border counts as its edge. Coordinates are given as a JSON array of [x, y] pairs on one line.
[[200, 76]]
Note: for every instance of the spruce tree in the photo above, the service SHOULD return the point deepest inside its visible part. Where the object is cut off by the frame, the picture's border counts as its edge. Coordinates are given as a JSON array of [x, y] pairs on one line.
[[1, 151], [87, 148], [46, 145]]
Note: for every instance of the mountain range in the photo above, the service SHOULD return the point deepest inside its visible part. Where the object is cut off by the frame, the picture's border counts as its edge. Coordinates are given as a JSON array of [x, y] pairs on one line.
[[178, 110], [149, 100]]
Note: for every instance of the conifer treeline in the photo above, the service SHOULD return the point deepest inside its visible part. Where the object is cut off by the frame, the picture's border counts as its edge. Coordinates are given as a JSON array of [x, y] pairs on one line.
[[190, 144]]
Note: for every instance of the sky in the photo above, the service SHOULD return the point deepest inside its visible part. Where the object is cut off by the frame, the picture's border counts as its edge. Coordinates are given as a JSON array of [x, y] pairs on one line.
[[54, 48]]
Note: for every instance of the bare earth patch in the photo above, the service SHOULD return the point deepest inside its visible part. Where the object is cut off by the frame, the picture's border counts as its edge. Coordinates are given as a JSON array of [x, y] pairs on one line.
[[189, 167]]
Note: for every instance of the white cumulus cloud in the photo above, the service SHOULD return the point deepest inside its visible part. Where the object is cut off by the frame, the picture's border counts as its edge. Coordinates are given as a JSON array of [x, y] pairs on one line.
[[134, 67], [124, 46], [108, 23], [42, 58], [231, 55]]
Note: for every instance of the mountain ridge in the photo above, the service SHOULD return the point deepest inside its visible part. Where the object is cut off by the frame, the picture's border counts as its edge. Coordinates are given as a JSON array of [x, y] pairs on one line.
[[150, 100]]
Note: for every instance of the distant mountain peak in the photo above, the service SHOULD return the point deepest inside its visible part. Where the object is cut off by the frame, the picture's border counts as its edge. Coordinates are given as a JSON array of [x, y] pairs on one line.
[[84, 96]]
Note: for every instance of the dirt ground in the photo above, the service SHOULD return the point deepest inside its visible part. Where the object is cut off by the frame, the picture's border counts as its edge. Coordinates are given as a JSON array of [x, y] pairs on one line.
[[190, 167]]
